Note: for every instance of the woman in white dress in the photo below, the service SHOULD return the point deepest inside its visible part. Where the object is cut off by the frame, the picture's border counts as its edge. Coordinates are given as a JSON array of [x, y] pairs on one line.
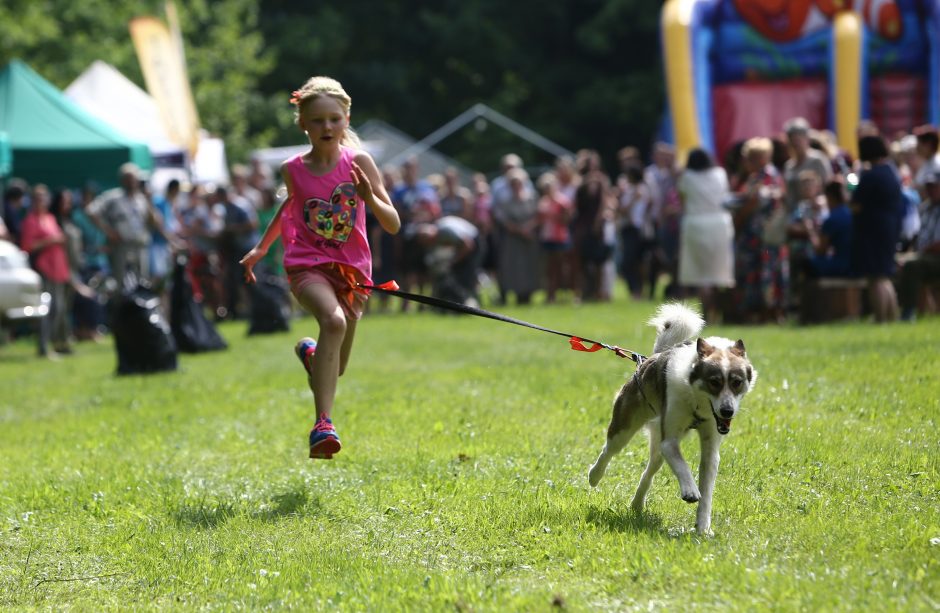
[[706, 251]]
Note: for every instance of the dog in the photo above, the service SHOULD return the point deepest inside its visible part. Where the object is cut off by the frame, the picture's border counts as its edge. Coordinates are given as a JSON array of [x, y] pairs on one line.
[[685, 385]]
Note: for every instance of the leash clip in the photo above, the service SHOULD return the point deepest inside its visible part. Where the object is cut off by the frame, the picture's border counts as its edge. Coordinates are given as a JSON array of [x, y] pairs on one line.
[[631, 355]]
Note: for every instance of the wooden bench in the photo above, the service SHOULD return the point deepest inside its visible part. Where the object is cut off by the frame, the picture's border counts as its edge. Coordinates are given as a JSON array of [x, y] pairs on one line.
[[831, 299]]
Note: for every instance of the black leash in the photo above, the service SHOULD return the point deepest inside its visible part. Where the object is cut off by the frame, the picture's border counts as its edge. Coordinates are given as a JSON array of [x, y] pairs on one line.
[[577, 342]]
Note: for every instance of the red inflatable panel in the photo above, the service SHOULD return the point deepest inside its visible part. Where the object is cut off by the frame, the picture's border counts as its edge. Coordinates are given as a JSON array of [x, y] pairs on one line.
[[744, 110], [897, 102]]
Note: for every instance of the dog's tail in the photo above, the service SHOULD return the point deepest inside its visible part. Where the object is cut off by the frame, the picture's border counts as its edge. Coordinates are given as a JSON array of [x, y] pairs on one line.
[[675, 323]]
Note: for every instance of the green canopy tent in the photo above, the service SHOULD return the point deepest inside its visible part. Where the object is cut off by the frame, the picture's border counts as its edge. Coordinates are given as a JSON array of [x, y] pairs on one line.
[[56, 142], [6, 156]]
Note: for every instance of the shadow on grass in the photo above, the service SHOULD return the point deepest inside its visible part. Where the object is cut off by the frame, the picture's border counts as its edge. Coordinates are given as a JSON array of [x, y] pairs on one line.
[[625, 521], [208, 514]]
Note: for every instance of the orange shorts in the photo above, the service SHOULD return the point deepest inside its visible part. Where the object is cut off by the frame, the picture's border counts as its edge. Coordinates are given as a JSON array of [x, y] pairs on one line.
[[342, 278]]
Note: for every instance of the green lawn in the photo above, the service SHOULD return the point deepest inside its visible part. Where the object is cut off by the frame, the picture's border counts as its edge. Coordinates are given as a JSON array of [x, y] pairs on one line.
[[462, 484]]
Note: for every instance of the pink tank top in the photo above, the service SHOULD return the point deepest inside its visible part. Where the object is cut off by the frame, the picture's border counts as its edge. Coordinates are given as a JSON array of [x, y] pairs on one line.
[[325, 220]]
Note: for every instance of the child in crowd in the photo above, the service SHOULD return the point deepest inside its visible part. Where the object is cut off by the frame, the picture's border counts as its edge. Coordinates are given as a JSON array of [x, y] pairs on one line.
[[556, 211], [326, 251], [833, 241], [806, 220], [636, 220]]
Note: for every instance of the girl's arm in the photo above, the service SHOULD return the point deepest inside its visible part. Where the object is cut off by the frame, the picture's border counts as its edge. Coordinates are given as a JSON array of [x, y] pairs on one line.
[[466, 204], [271, 233], [369, 186], [750, 204], [159, 224]]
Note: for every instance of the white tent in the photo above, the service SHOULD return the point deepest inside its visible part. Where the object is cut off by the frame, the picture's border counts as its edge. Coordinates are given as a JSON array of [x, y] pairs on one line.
[[113, 98], [107, 94]]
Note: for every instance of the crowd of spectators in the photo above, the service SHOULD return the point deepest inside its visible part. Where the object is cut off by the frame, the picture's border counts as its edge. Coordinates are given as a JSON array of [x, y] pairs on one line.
[[88, 246], [743, 236]]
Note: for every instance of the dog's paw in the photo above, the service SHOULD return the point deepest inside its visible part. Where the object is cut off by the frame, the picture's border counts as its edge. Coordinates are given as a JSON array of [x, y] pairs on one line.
[[690, 494], [595, 474], [704, 530]]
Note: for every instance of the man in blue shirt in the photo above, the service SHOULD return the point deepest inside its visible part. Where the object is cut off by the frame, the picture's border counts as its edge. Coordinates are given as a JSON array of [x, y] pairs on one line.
[[417, 203], [833, 242]]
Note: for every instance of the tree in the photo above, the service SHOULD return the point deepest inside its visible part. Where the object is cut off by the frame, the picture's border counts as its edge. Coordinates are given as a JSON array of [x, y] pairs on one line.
[[226, 57], [584, 73], [226, 54]]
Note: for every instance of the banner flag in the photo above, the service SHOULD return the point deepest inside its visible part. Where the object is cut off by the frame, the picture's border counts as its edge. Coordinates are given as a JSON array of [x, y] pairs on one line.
[[164, 69]]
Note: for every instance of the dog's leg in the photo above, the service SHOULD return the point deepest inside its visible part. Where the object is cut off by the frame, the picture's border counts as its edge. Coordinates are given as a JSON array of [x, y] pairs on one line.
[[611, 448], [654, 464], [673, 455], [675, 426], [707, 473]]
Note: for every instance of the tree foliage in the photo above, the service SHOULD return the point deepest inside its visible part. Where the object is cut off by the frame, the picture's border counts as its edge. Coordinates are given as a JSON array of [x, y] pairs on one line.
[[226, 53], [584, 73]]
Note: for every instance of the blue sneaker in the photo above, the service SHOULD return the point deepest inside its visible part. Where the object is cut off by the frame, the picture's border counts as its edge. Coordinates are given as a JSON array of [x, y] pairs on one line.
[[305, 349], [323, 440]]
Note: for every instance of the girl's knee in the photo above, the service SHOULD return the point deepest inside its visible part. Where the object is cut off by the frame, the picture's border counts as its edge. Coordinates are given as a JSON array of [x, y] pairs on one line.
[[333, 324]]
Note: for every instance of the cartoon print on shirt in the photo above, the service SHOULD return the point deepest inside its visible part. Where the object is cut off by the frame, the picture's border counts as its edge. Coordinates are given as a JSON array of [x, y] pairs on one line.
[[333, 220]]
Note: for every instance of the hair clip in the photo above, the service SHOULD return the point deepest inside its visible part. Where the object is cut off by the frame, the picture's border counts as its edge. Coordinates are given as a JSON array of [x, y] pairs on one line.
[[295, 97]]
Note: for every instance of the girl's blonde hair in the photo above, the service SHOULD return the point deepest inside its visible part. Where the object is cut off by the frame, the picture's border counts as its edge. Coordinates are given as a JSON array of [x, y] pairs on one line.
[[325, 86], [758, 144], [546, 181]]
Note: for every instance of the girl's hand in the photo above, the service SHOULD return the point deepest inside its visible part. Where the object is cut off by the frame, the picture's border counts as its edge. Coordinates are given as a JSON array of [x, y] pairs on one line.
[[251, 258], [361, 181]]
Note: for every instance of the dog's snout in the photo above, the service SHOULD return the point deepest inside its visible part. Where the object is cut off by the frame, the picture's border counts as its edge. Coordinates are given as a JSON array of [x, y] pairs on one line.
[[726, 411]]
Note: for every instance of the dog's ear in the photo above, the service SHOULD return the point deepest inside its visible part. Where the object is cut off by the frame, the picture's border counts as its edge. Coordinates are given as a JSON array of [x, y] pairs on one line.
[[703, 348], [738, 349]]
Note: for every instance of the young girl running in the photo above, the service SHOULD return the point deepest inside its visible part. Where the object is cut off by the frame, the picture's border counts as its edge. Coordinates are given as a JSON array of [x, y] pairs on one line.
[[326, 252]]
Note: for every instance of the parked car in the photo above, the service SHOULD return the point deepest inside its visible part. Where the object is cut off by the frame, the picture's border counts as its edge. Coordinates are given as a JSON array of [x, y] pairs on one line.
[[21, 295]]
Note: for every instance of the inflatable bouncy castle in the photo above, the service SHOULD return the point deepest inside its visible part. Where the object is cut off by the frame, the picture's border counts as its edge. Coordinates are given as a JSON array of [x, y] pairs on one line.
[[740, 68]]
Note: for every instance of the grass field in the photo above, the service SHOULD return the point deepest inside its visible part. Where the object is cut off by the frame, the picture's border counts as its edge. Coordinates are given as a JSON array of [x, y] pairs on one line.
[[462, 482]]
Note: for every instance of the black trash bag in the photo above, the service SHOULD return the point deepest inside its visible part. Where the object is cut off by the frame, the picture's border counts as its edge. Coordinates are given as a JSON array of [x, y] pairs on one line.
[[142, 335], [270, 304], [191, 329], [447, 288]]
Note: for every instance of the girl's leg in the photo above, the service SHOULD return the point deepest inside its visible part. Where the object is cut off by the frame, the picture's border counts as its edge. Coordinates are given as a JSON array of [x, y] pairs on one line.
[[875, 298], [894, 309], [45, 323], [60, 330], [551, 275], [706, 297], [346, 348], [320, 300], [574, 269], [884, 299]]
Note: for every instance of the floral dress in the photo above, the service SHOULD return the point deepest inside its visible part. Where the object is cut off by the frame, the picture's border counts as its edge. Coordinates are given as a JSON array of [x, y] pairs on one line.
[[761, 260]]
